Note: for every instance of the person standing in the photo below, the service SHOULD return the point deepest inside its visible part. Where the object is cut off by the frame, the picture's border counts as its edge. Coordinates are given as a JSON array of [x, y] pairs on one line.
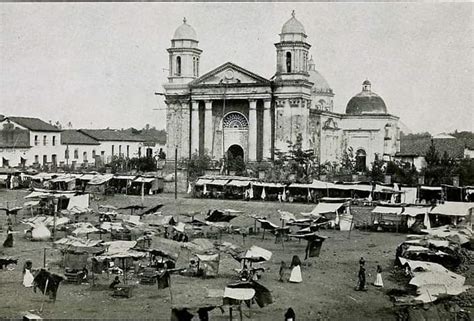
[[378, 279], [282, 271], [361, 277], [295, 276], [9, 241], [290, 315]]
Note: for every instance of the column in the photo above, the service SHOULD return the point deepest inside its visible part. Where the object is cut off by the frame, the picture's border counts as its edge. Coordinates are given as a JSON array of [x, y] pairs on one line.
[[195, 127], [252, 130], [208, 128], [267, 130]]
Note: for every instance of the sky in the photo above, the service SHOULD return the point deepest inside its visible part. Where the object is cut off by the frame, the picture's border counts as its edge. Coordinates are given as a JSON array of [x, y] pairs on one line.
[[98, 65]]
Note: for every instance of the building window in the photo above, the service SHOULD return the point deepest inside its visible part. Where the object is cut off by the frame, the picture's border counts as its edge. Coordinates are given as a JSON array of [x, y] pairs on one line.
[[45, 140], [76, 153], [54, 141], [194, 66], [120, 150], [84, 156], [36, 159], [36, 140], [45, 159], [178, 66], [139, 152], [66, 153], [128, 150], [288, 62], [197, 67], [54, 159], [361, 160], [93, 154], [113, 150]]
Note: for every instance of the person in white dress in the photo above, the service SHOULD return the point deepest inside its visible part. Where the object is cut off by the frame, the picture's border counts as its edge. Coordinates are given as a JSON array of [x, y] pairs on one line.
[[27, 275], [295, 276], [378, 279]]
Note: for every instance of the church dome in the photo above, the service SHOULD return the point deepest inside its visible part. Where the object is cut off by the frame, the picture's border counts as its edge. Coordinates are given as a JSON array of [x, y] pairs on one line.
[[293, 25], [366, 102], [185, 32], [320, 83]]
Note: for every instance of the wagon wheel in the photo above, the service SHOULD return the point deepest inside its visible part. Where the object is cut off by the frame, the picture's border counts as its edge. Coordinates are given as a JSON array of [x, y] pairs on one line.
[[11, 266]]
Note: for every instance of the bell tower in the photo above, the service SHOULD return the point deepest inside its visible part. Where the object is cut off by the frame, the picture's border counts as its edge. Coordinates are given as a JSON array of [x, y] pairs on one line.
[[184, 55], [292, 51]]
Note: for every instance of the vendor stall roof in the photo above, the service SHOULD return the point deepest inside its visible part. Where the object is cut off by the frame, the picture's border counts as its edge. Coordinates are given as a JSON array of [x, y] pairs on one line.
[[237, 183], [125, 177], [218, 182], [144, 180], [414, 211], [431, 188], [63, 179], [203, 181], [101, 179], [453, 208], [86, 177], [323, 208], [387, 210], [271, 185]]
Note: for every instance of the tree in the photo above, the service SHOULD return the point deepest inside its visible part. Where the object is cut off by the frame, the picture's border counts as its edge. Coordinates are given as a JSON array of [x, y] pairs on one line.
[[401, 172], [438, 170], [142, 164], [197, 165], [377, 172]]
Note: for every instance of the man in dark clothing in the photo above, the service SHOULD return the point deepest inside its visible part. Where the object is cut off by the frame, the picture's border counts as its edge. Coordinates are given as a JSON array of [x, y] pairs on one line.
[[361, 281], [290, 315], [114, 283], [9, 241]]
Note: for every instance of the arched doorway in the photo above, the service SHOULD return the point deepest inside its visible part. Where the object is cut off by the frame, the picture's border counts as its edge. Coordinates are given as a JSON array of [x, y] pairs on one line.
[[235, 127], [361, 156], [234, 152]]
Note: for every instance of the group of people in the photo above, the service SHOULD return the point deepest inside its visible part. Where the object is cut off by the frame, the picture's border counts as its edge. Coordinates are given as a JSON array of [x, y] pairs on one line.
[[361, 281]]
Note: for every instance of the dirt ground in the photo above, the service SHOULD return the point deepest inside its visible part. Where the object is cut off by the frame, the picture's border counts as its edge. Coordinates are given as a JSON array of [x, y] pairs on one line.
[[327, 291]]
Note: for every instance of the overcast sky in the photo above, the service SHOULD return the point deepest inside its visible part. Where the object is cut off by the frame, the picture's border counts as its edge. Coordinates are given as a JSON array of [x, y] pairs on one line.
[[99, 64]]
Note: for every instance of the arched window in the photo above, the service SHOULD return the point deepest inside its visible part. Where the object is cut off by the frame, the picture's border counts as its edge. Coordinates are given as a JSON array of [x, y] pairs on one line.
[[288, 62], [178, 66], [235, 121], [197, 67], [194, 66], [387, 131], [361, 160]]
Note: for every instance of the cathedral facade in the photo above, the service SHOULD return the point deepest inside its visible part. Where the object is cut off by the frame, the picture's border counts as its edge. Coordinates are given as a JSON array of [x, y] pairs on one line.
[[230, 111]]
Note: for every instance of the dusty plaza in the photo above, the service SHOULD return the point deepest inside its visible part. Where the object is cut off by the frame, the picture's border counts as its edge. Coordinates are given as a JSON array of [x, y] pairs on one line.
[[196, 161], [327, 292]]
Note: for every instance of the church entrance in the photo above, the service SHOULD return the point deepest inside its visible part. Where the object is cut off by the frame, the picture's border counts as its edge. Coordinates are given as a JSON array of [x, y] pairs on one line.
[[235, 152]]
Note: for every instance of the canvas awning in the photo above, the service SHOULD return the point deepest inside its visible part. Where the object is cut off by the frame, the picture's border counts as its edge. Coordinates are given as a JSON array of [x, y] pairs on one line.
[[453, 208], [239, 294], [63, 179], [125, 177], [208, 258], [144, 180], [219, 182], [257, 254], [431, 188], [203, 181], [100, 179], [387, 210], [86, 177], [414, 211], [238, 183], [270, 185], [323, 208], [31, 203]]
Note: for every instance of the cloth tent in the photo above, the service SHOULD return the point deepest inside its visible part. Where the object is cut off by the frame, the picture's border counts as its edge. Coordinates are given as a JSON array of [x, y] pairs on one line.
[[409, 196], [324, 208], [209, 264], [453, 209], [387, 210], [256, 254]]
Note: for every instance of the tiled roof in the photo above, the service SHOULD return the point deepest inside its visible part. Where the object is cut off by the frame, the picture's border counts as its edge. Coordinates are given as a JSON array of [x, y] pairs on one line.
[[419, 146], [112, 135], [150, 135], [75, 137], [34, 124]]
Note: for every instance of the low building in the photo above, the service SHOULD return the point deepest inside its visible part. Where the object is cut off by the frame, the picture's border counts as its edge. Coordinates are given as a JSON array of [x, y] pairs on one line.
[[79, 149], [414, 149], [28, 141]]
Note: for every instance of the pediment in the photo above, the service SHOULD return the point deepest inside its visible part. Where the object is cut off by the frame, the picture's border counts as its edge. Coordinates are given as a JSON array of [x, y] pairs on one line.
[[229, 73]]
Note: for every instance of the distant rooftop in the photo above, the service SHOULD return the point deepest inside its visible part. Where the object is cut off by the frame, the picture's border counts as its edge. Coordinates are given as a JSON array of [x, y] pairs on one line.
[[34, 124], [75, 137], [112, 135]]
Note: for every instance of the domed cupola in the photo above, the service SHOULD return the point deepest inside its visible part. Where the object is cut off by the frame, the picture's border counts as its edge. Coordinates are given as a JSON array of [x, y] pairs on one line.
[[293, 26], [185, 32], [366, 102], [184, 55], [320, 83]]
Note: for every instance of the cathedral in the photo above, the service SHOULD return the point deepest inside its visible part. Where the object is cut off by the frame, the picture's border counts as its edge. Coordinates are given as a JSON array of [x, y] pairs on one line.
[[233, 112]]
